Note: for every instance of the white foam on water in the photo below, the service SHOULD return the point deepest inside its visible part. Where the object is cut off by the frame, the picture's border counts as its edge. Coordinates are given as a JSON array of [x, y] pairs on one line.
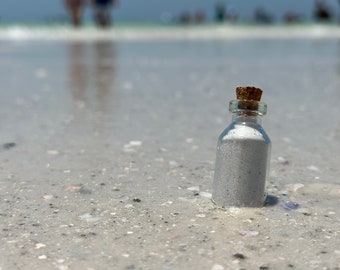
[[158, 32]]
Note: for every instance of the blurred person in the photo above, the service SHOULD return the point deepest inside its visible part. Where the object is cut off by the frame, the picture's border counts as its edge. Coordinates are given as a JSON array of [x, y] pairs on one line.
[[231, 15], [262, 16], [322, 11], [220, 12], [185, 18], [199, 17], [291, 17], [75, 9], [102, 12]]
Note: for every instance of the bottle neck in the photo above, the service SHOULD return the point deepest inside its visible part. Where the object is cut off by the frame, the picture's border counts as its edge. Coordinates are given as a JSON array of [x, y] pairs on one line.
[[246, 117], [247, 111]]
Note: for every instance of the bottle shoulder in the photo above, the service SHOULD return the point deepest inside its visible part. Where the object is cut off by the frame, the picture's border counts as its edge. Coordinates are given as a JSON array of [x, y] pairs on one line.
[[244, 131]]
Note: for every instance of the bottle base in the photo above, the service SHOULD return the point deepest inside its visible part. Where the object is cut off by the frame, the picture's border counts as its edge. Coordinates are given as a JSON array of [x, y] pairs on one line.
[[241, 205]]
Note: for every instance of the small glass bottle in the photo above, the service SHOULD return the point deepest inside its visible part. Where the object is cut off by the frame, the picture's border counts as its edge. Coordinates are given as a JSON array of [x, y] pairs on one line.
[[243, 154]]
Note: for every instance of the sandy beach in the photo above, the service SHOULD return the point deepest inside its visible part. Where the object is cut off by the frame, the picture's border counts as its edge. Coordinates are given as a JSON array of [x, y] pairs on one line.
[[108, 150]]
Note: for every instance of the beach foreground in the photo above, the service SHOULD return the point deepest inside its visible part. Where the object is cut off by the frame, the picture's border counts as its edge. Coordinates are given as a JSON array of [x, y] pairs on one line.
[[108, 151]]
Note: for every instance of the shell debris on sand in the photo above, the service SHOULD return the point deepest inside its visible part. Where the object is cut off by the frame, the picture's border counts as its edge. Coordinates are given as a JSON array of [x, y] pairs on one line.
[[191, 200], [313, 168], [194, 188], [79, 189], [248, 233], [217, 266], [289, 205], [8, 145], [74, 187], [295, 187], [39, 246], [89, 218], [131, 146], [196, 191], [52, 152], [332, 190], [205, 194], [42, 257], [48, 197], [239, 256]]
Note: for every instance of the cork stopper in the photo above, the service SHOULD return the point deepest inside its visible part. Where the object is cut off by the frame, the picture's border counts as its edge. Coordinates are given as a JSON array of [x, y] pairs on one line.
[[249, 97], [248, 93]]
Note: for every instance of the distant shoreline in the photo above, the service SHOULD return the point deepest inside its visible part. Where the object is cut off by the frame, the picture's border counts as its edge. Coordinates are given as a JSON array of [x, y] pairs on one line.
[[169, 32]]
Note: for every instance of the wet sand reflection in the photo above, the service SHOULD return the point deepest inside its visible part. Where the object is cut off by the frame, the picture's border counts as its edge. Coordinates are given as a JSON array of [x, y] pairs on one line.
[[92, 74]]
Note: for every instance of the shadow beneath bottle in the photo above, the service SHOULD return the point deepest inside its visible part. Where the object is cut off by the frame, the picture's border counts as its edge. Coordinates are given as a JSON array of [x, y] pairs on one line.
[[271, 200]]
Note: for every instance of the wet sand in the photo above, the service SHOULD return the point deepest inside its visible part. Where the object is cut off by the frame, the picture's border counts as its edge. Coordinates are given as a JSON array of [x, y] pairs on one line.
[[108, 152]]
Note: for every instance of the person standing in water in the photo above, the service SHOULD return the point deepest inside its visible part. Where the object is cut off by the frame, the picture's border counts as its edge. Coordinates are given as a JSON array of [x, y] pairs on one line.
[[75, 9], [102, 15], [220, 12]]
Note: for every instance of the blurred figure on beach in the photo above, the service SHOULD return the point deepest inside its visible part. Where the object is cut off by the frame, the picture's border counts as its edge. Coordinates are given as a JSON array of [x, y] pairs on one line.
[[291, 16], [199, 17], [75, 9], [220, 13], [184, 18], [102, 12], [261, 16], [322, 12]]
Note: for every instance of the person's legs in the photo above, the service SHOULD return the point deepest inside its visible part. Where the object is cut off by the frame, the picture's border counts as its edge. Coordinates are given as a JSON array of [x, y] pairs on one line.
[[75, 9], [75, 13], [102, 15]]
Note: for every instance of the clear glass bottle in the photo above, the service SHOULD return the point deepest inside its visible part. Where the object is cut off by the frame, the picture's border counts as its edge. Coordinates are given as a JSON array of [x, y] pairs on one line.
[[243, 157]]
